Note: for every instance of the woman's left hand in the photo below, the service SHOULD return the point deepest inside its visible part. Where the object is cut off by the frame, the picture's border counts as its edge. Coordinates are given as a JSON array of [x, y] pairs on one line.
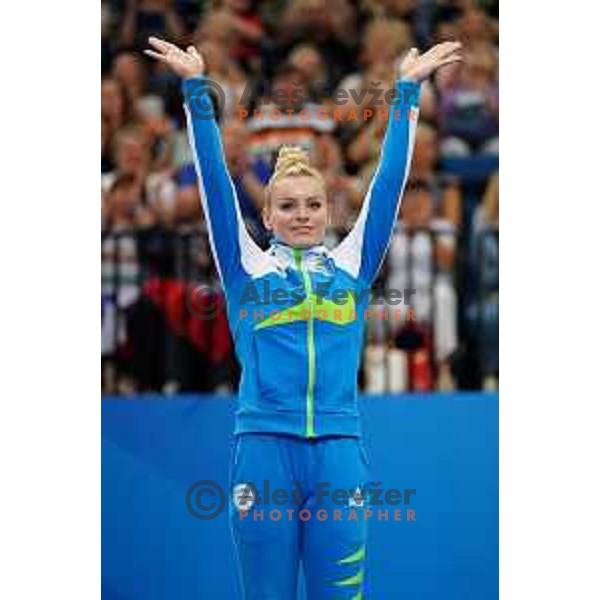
[[419, 67]]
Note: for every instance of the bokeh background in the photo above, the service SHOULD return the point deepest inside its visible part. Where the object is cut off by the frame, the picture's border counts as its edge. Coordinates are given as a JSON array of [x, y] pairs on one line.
[[155, 252]]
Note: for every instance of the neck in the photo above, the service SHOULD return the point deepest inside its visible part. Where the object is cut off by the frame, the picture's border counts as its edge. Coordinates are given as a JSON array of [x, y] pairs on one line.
[[276, 240]]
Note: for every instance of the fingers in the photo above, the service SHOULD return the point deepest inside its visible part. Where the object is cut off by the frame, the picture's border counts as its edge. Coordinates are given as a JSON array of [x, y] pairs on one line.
[[192, 50], [156, 55], [443, 54], [451, 49], [443, 50], [161, 44], [447, 47], [413, 53], [449, 60]]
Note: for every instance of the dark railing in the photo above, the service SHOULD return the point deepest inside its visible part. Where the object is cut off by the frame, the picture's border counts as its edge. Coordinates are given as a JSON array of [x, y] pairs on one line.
[[412, 352], [151, 340]]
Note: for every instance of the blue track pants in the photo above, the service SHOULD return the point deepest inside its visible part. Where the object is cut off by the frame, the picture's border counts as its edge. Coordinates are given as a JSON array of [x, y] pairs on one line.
[[298, 501]]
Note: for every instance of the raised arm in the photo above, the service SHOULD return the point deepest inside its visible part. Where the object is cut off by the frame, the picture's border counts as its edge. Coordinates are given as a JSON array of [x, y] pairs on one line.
[[233, 249], [364, 248]]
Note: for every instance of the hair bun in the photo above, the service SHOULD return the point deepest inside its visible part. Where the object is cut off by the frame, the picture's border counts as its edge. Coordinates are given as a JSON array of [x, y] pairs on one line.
[[292, 161], [291, 156]]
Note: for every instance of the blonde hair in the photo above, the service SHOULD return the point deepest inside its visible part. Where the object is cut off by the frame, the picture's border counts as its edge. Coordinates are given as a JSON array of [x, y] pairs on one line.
[[292, 161]]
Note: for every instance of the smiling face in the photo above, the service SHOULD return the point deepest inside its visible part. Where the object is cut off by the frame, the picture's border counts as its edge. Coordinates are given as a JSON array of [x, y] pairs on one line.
[[296, 211]]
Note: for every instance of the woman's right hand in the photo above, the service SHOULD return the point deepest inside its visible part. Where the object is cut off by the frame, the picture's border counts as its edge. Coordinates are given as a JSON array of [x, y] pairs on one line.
[[185, 64], [419, 67]]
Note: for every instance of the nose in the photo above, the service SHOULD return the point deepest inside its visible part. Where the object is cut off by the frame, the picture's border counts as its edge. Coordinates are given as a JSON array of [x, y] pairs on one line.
[[302, 214]]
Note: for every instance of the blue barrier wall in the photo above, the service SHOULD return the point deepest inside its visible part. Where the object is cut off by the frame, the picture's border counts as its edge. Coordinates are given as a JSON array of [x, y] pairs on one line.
[[445, 446]]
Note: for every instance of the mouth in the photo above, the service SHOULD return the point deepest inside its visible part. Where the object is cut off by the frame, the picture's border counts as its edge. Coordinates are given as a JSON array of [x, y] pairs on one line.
[[302, 230]]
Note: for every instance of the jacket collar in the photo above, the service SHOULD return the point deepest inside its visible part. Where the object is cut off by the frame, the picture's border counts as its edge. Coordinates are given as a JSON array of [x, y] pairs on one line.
[[313, 256]]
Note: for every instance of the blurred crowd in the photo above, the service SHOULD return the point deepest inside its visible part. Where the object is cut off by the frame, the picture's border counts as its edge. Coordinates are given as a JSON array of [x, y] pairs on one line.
[[156, 262]]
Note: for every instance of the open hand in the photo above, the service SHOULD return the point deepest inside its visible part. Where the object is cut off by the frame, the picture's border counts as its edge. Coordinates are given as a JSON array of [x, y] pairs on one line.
[[185, 64], [419, 67]]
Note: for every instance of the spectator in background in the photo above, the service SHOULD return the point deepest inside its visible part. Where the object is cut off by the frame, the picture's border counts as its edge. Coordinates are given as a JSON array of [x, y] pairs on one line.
[[130, 70], [307, 59], [468, 107], [445, 30], [197, 351], [446, 194], [364, 137], [476, 28], [343, 193], [232, 79], [187, 202], [421, 257], [106, 30], [132, 157], [123, 214], [326, 21], [115, 105], [413, 12], [236, 25], [249, 175], [106, 140], [466, 20], [384, 42], [330, 25], [403, 9], [302, 126], [484, 255], [123, 207], [116, 112], [144, 18]]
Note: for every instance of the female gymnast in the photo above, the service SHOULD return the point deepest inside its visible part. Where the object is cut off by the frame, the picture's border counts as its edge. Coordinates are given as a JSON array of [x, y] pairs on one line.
[[296, 314]]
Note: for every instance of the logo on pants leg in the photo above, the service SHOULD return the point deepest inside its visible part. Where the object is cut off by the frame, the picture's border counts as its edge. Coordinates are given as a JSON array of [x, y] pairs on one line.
[[358, 498], [244, 496]]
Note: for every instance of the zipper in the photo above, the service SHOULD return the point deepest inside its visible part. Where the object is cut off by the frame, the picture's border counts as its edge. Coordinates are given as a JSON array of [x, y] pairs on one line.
[[310, 343]]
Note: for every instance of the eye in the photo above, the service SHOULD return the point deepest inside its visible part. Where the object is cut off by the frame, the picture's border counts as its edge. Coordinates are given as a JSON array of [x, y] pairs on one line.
[[286, 206], [316, 204]]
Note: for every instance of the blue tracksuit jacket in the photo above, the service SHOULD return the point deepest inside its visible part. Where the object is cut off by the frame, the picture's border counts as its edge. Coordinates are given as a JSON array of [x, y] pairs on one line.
[[297, 315]]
